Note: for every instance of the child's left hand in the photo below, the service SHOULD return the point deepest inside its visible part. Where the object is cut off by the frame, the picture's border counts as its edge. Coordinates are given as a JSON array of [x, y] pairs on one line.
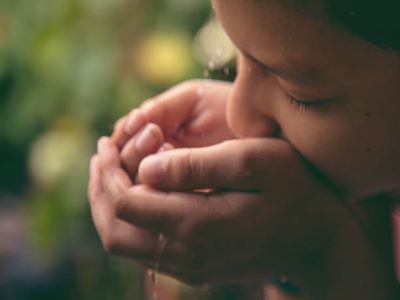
[[267, 216]]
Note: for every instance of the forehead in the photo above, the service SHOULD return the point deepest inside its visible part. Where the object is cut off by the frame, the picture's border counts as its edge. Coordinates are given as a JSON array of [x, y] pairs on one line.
[[278, 32], [278, 27]]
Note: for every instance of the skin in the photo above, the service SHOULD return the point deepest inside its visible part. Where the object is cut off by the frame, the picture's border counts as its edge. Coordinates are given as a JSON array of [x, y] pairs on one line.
[[252, 225], [353, 138]]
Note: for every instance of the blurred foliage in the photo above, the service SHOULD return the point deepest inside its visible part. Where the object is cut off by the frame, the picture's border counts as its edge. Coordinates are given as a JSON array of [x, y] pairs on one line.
[[68, 70]]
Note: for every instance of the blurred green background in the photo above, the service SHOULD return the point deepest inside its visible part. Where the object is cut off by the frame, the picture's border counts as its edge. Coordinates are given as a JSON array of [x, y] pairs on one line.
[[68, 70]]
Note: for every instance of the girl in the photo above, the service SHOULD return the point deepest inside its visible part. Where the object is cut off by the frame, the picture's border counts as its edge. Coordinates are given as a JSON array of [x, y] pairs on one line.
[[285, 172]]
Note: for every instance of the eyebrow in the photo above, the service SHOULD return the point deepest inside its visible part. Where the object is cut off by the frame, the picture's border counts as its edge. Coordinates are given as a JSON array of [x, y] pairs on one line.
[[309, 76]]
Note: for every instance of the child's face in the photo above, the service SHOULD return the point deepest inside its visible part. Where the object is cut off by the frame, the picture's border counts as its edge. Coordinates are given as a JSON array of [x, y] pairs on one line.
[[349, 127]]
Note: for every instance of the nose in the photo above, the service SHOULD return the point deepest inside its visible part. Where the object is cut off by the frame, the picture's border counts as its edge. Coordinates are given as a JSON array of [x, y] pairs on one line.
[[250, 110]]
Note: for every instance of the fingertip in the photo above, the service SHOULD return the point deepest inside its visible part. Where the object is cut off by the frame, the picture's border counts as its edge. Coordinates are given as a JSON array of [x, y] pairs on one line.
[[156, 131], [149, 139], [152, 170], [102, 144], [134, 122], [118, 136], [121, 121], [108, 152]]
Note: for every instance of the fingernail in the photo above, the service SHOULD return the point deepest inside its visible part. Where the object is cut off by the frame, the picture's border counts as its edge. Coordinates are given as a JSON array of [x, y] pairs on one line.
[[133, 123], [152, 170], [147, 140]]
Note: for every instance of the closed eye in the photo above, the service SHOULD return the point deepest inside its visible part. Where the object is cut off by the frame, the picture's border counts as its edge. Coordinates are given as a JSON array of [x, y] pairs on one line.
[[304, 104]]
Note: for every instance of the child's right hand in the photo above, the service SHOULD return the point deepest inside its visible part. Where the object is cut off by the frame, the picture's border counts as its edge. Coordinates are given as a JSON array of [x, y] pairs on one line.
[[191, 114], [268, 216]]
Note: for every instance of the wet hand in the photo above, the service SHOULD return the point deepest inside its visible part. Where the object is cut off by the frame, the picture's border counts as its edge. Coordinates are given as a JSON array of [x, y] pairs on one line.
[[191, 114], [147, 141], [264, 217]]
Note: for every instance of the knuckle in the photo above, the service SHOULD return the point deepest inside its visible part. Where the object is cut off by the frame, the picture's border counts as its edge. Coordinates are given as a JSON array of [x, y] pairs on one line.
[[190, 166], [120, 123], [189, 85], [146, 106], [121, 205], [124, 156], [139, 113], [182, 168]]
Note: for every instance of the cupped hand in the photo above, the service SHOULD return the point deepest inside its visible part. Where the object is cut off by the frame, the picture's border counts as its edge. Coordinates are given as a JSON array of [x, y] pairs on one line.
[[267, 215], [263, 204], [191, 114]]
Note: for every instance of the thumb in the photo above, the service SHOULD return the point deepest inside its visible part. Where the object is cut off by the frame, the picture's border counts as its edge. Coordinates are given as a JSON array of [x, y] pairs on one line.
[[236, 164]]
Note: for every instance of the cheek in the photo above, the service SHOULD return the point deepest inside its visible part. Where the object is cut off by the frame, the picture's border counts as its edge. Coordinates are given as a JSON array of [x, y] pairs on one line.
[[360, 156]]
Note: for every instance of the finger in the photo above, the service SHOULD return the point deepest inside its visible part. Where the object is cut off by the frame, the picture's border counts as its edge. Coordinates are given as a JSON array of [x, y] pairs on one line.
[[102, 212], [136, 119], [146, 142], [238, 164], [121, 238], [159, 211], [126, 240], [114, 180], [117, 237], [164, 147], [120, 192], [94, 186], [107, 152], [119, 136], [169, 110]]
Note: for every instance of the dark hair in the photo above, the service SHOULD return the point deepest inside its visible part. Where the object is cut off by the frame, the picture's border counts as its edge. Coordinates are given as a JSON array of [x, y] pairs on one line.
[[375, 21]]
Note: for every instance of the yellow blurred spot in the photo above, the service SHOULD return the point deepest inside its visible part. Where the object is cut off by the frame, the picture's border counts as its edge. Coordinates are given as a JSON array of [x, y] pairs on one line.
[[58, 152], [164, 58]]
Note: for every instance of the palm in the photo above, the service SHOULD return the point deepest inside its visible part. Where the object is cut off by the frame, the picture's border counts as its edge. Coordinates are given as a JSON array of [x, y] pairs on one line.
[[194, 116]]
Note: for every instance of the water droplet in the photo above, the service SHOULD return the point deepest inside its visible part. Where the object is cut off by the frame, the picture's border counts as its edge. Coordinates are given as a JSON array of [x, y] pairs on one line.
[[153, 273], [227, 71], [211, 65], [155, 294]]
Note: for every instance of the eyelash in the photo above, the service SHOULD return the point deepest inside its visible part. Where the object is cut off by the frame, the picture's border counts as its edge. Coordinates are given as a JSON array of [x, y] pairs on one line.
[[301, 104], [304, 104]]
